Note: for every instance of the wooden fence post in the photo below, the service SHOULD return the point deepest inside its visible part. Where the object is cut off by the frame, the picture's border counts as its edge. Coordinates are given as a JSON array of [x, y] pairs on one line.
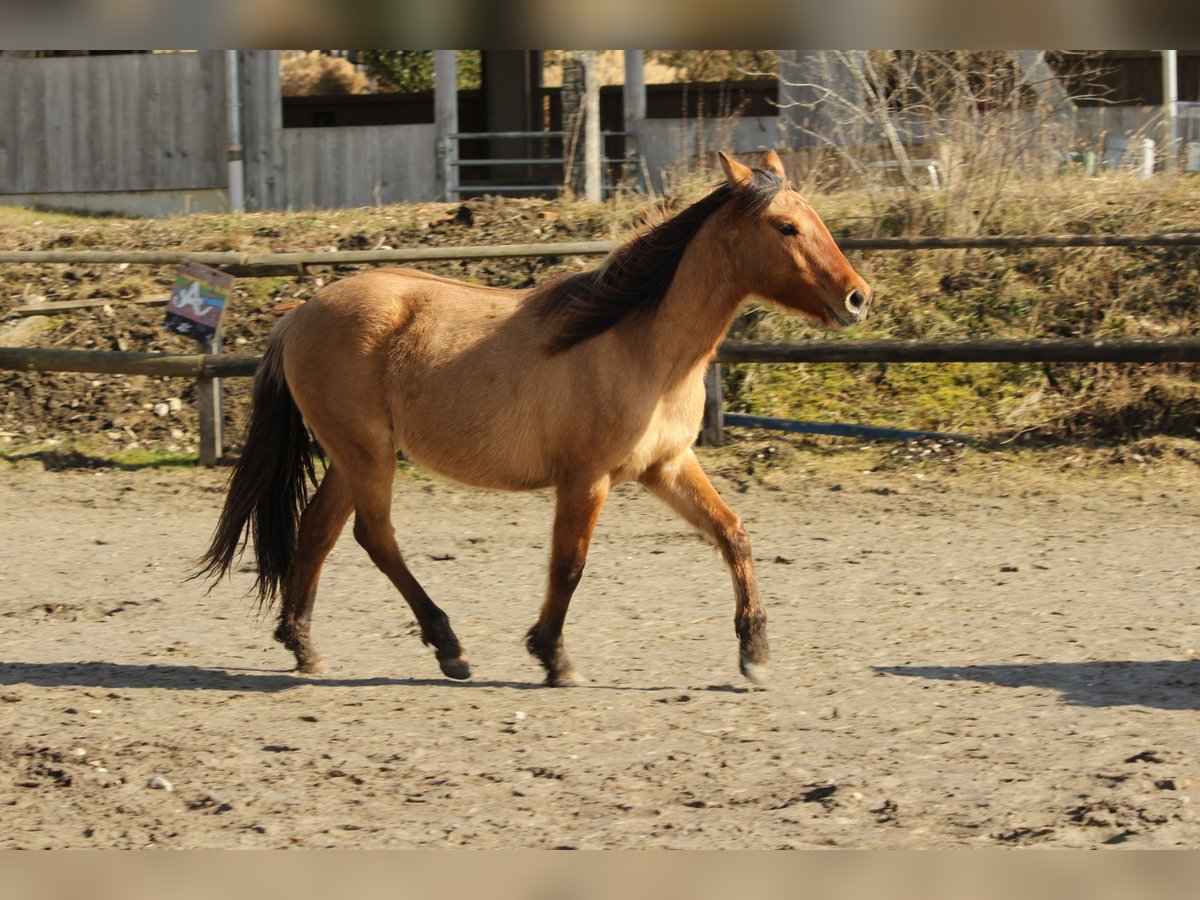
[[712, 432], [212, 413]]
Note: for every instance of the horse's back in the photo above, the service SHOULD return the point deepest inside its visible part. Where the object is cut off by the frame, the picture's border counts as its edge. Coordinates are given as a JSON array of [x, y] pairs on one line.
[[460, 379], [368, 315], [442, 365]]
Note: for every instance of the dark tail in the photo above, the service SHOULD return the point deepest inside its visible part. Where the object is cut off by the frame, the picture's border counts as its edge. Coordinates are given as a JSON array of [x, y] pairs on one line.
[[268, 488]]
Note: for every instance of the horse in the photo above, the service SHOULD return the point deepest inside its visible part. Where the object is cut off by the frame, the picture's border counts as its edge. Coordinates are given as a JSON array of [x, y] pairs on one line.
[[579, 384]]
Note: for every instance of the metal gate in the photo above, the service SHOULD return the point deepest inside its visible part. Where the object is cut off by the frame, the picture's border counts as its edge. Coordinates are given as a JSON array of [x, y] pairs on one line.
[[542, 168]]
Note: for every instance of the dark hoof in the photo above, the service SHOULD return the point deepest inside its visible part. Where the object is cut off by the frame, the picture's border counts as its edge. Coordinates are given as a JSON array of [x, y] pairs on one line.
[[311, 665], [569, 678], [458, 669], [559, 671]]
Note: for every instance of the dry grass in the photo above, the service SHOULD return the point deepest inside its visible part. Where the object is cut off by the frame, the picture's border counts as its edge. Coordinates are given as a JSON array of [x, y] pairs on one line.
[[311, 73], [1128, 292]]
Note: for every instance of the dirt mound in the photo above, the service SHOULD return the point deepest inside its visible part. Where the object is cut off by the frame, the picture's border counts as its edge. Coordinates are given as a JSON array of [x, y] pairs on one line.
[[118, 412]]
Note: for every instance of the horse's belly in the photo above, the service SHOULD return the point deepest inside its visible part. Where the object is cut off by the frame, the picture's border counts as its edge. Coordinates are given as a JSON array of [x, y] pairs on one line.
[[481, 450], [492, 474]]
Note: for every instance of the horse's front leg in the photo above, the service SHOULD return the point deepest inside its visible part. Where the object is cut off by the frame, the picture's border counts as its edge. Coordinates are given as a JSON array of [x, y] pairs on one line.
[[683, 486], [576, 511]]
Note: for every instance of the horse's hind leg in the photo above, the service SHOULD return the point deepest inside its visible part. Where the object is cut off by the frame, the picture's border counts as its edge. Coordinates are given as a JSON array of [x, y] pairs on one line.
[[372, 490], [683, 486], [320, 525], [578, 508]]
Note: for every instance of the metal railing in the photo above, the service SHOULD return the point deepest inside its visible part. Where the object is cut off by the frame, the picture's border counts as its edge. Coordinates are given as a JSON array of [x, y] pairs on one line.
[[453, 163]]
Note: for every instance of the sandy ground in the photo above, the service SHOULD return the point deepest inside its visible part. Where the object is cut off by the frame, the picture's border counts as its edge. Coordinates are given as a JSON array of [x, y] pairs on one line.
[[953, 666]]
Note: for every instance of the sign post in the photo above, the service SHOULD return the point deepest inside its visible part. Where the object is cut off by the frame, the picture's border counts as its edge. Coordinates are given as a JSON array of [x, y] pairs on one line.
[[195, 309]]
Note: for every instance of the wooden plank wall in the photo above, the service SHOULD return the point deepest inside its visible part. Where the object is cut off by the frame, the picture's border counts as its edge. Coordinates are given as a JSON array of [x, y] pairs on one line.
[[361, 165], [112, 123], [262, 126], [157, 122], [302, 168]]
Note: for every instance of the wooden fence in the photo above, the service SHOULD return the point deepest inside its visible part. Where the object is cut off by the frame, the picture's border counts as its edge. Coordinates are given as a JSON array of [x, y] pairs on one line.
[[112, 123], [101, 129], [206, 368], [986, 350], [359, 166], [295, 263]]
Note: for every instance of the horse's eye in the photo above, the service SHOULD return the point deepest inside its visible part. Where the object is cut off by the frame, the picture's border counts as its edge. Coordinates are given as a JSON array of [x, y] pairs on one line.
[[788, 228]]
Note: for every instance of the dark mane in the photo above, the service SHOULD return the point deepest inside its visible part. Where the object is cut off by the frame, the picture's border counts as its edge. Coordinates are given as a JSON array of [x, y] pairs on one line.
[[634, 279]]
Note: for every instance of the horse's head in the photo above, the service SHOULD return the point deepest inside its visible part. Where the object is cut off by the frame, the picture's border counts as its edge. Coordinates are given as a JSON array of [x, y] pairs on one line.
[[785, 254]]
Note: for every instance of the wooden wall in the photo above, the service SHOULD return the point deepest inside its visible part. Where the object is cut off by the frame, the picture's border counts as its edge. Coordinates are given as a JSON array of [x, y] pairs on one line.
[[360, 166], [112, 123], [123, 124], [264, 172], [1132, 77]]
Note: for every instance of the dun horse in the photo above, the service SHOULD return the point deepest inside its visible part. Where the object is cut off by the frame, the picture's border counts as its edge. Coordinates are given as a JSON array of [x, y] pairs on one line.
[[577, 385]]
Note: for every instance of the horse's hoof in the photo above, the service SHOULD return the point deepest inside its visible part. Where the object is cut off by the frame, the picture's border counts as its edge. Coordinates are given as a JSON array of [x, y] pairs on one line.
[[310, 667], [569, 678], [755, 672], [458, 669]]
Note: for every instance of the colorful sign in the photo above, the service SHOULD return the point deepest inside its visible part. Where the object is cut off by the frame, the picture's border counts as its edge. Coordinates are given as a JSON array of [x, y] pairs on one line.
[[198, 302]]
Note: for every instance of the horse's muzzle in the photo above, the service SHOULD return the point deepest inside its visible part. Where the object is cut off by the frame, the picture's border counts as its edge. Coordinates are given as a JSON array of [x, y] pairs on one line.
[[851, 311], [857, 303]]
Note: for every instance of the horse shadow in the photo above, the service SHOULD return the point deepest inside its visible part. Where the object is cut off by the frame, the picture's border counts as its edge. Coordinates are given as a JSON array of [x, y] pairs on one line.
[[203, 678], [1158, 684]]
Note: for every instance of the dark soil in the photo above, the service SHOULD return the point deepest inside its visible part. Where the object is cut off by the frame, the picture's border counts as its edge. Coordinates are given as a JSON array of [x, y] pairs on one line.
[[117, 412]]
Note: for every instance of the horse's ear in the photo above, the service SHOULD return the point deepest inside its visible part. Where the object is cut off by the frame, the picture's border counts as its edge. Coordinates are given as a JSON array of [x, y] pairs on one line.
[[772, 163], [735, 173]]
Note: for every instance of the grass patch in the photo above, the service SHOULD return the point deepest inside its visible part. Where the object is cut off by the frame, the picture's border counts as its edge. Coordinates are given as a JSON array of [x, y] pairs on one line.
[[1131, 292], [260, 290], [24, 215], [88, 455]]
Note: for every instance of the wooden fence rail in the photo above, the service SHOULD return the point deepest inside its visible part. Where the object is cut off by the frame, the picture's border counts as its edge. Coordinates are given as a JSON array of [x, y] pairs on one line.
[[992, 350], [109, 362], [255, 264], [208, 367], [1117, 350], [985, 350]]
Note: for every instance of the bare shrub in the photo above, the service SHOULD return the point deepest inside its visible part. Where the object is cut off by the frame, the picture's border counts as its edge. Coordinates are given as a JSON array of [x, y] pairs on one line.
[[312, 73], [936, 135]]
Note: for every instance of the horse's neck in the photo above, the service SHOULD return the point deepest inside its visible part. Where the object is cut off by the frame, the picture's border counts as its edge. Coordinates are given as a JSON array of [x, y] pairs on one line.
[[694, 315]]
